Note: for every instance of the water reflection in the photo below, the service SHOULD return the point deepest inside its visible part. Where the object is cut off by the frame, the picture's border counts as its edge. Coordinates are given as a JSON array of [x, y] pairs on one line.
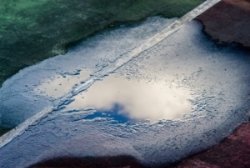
[[116, 113], [59, 85], [136, 98]]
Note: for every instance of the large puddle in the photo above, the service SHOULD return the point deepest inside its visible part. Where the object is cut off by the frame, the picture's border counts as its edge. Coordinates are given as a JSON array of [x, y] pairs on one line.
[[37, 87], [172, 100]]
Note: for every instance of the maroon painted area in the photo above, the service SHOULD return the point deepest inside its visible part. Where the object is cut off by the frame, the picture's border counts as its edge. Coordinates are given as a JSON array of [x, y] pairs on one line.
[[228, 21], [233, 152]]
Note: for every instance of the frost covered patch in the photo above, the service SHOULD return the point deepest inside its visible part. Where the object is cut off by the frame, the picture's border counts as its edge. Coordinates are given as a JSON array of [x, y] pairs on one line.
[[185, 74]]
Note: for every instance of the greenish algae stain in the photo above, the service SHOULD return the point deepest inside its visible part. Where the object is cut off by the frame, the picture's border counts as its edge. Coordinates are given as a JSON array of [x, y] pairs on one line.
[[3, 130]]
